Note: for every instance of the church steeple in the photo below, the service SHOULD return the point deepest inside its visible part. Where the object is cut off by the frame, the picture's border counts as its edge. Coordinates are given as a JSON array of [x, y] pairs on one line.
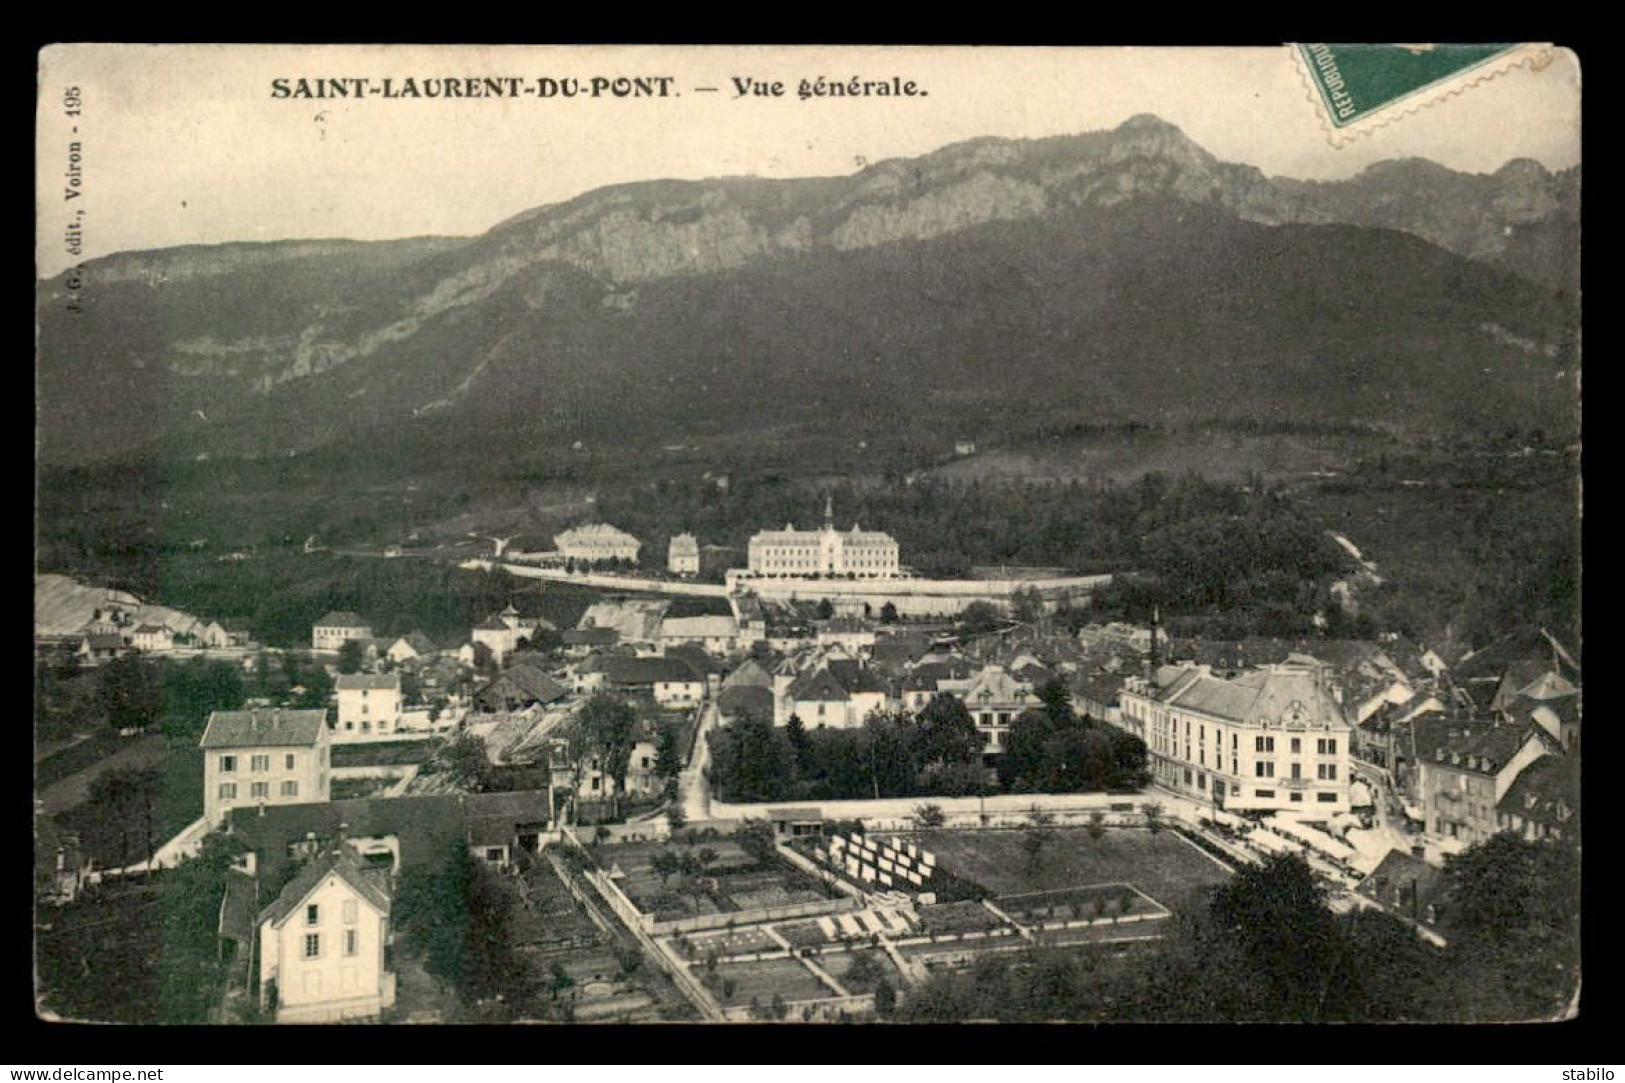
[[829, 512]]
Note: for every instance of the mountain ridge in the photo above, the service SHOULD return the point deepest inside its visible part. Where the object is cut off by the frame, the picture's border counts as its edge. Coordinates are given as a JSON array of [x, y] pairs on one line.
[[241, 335]]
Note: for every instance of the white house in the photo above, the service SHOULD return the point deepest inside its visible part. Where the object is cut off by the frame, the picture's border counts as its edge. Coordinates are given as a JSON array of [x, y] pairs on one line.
[[597, 542], [321, 942], [410, 648], [718, 635], [264, 757], [152, 637], [683, 555], [334, 630], [1271, 739], [995, 699], [369, 706]]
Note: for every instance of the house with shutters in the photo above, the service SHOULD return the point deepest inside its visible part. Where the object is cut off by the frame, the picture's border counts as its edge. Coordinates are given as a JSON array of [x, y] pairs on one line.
[[1465, 769], [369, 707], [995, 698], [264, 757], [1543, 802], [1272, 738], [321, 942]]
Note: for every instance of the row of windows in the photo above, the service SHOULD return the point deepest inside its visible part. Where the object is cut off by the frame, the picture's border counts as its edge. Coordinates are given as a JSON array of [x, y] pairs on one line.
[[313, 944], [1325, 797], [313, 913], [257, 762], [228, 790]]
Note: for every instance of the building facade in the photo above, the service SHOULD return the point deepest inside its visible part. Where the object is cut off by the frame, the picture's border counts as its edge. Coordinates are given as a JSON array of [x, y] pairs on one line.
[[597, 542], [321, 943], [369, 706], [683, 555], [334, 630], [264, 757], [865, 554], [1267, 740]]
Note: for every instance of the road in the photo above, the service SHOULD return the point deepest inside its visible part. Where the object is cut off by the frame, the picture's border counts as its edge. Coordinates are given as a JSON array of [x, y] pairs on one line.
[[693, 789]]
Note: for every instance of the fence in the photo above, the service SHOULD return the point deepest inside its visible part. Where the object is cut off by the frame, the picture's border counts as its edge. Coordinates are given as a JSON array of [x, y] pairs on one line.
[[826, 1010], [700, 922]]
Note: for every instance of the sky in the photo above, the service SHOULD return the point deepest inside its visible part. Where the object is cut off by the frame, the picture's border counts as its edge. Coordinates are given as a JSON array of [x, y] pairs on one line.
[[188, 145]]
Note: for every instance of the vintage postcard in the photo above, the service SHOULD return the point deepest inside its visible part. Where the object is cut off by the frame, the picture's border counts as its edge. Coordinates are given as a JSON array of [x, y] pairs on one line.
[[807, 535]]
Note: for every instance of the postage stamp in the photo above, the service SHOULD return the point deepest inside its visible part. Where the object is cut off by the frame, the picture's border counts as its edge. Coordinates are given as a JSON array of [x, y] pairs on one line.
[[1361, 87]]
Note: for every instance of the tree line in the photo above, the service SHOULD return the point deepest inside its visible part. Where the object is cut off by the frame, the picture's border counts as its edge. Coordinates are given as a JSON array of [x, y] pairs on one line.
[[938, 751], [1266, 947]]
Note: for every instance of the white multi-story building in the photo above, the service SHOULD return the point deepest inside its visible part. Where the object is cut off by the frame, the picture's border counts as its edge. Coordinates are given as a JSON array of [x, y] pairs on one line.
[[683, 555], [1271, 739], [866, 554], [264, 757], [321, 942], [332, 631], [596, 542], [369, 706]]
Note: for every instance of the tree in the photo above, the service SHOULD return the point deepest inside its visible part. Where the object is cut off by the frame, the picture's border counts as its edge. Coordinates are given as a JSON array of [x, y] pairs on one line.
[[350, 656], [1056, 698], [795, 731], [609, 729], [826, 609], [130, 694], [885, 999], [1097, 825], [1511, 908], [125, 800], [948, 733], [676, 819], [1027, 605], [466, 763], [1152, 811], [888, 613], [928, 816], [668, 757], [980, 618]]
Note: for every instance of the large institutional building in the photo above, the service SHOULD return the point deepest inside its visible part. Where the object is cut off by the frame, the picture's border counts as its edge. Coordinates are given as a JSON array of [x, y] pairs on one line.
[[595, 542], [792, 552], [1270, 739]]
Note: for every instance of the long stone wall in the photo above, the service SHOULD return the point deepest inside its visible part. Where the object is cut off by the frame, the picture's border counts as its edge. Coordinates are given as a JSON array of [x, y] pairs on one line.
[[918, 597]]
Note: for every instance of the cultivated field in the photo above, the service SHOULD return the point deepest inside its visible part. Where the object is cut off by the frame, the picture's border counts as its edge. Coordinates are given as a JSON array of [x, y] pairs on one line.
[[733, 881], [1163, 866]]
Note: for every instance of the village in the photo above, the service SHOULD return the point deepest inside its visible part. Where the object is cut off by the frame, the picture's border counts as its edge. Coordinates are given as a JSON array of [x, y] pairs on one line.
[[808, 808]]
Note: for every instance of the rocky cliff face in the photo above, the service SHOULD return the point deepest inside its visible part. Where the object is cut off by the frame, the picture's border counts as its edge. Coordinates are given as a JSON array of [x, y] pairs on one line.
[[248, 320]]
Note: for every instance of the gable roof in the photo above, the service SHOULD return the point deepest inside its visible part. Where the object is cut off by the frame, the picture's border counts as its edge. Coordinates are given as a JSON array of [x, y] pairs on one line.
[[523, 682], [1402, 880], [1547, 792], [590, 637], [638, 671], [263, 728], [350, 682], [818, 686], [1259, 696], [1479, 746], [341, 862], [342, 618]]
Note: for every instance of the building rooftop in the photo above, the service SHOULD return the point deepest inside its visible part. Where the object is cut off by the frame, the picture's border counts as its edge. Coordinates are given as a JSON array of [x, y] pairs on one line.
[[263, 728], [342, 618], [350, 682], [340, 861]]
